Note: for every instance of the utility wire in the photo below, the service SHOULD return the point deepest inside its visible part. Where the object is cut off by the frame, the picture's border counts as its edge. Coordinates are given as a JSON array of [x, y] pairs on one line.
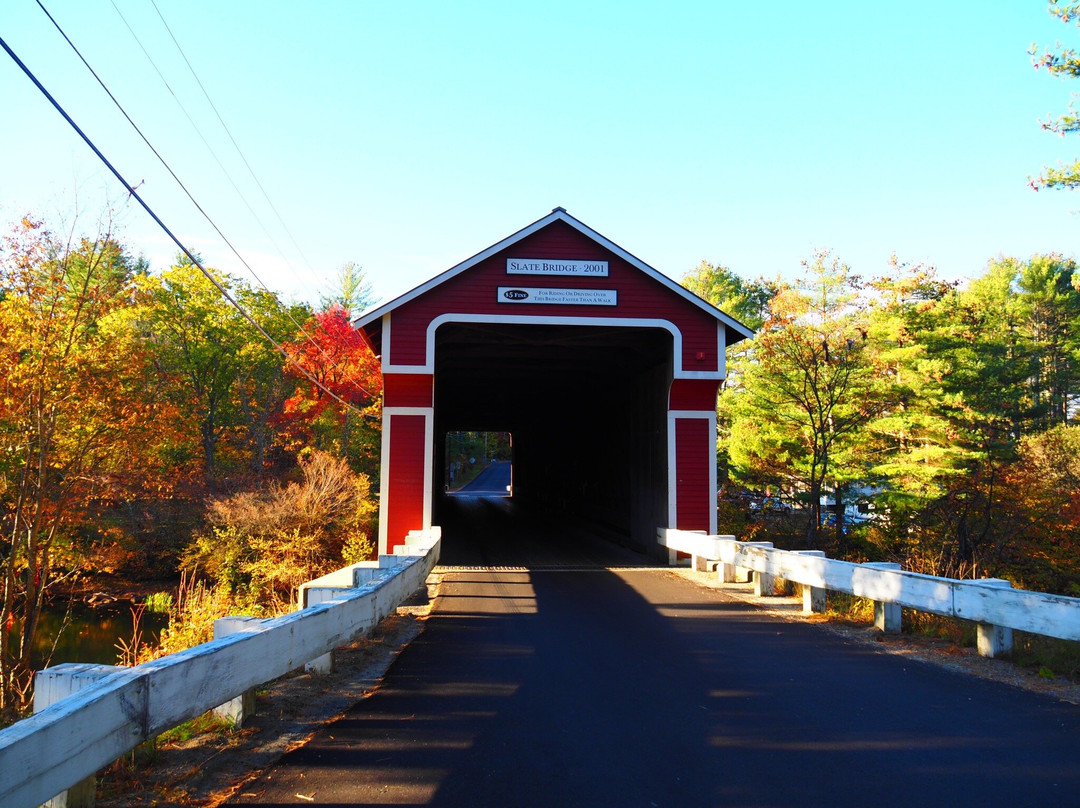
[[236, 145], [195, 261], [183, 187], [213, 154], [190, 120]]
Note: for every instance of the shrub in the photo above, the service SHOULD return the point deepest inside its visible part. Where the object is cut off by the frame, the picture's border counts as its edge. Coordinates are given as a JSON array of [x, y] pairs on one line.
[[263, 544]]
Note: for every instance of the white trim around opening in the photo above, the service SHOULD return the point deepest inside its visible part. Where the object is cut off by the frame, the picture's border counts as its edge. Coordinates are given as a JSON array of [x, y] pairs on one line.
[[673, 478], [384, 467], [505, 319]]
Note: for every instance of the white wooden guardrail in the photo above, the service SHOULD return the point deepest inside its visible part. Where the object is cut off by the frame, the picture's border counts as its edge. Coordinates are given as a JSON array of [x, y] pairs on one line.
[[86, 716], [992, 603]]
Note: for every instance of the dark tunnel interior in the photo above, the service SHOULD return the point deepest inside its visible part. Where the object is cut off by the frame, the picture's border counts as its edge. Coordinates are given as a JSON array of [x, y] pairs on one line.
[[587, 408]]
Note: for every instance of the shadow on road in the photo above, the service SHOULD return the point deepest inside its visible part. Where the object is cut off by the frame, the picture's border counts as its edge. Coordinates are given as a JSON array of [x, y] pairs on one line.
[[557, 670], [500, 531]]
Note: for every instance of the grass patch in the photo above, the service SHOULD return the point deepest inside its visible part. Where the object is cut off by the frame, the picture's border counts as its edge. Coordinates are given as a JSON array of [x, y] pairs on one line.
[[146, 753], [159, 602], [786, 589], [957, 631], [1049, 657], [849, 608], [208, 722], [842, 606], [135, 771]]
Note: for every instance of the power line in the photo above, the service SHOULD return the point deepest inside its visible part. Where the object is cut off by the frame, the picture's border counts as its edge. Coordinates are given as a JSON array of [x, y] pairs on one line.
[[209, 276], [236, 145], [179, 182], [190, 120]]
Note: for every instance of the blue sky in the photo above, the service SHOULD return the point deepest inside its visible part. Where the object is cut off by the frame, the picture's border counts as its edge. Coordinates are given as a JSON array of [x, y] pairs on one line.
[[407, 136]]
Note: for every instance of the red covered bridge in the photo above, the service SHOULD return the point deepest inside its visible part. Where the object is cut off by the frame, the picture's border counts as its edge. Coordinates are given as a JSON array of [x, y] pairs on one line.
[[604, 371]]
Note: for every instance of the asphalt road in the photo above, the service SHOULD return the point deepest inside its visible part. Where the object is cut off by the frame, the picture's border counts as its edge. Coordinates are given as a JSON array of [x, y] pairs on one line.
[[566, 683], [495, 479]]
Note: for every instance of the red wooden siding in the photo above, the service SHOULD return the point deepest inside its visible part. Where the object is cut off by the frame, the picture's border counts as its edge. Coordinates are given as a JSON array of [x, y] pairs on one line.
[[407, 389], [475, 292], [405, 486], [695, 449], [693, 394]]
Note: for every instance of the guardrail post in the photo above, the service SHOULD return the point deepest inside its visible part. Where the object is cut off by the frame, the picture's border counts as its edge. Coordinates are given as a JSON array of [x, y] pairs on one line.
[[764, 584], [886, 615], [242, 707], [994, 641], [309, 597], [725, 571], [742, 574], [697, 562], [58, 682], [323, 664], [813, 597]]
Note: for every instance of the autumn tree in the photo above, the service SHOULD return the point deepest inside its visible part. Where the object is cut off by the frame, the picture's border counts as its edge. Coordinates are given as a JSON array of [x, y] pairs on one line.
[[952, 408], [263, 544], [1005, 344], [263, 384], [746, 301], [338, 386], [72, 416], [219, 372], [1041, 499]]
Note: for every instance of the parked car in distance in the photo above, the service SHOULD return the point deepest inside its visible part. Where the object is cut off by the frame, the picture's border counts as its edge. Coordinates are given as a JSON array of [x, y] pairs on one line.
[[770, 504]]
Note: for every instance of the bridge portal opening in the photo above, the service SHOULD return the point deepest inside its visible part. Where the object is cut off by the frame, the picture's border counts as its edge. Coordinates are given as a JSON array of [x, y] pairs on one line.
[[587, 408], [478, 463]]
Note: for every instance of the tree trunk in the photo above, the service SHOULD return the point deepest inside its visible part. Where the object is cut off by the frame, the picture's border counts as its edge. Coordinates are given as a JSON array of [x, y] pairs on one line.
[[209, 445], [838, 511]]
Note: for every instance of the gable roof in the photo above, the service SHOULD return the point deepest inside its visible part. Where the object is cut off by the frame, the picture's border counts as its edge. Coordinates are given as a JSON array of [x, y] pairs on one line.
[[736, 330]]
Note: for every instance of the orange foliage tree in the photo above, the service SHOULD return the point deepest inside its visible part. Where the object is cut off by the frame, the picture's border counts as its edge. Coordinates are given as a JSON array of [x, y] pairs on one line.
[[1040, 501], [73, 417]]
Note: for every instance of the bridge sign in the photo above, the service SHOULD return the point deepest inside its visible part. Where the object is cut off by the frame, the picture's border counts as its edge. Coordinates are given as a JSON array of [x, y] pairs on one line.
[[559, 297]]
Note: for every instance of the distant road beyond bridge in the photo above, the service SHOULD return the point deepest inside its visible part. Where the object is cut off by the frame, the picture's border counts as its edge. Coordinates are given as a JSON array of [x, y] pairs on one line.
[[555, 672], [494, 481]]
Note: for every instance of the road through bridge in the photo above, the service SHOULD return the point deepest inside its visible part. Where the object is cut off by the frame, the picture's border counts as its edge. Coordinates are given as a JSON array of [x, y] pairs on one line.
[[559, 670], [495, 480]]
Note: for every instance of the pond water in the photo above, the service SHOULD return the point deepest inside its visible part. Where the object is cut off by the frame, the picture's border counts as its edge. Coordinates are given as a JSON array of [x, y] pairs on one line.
[[90, 635]]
